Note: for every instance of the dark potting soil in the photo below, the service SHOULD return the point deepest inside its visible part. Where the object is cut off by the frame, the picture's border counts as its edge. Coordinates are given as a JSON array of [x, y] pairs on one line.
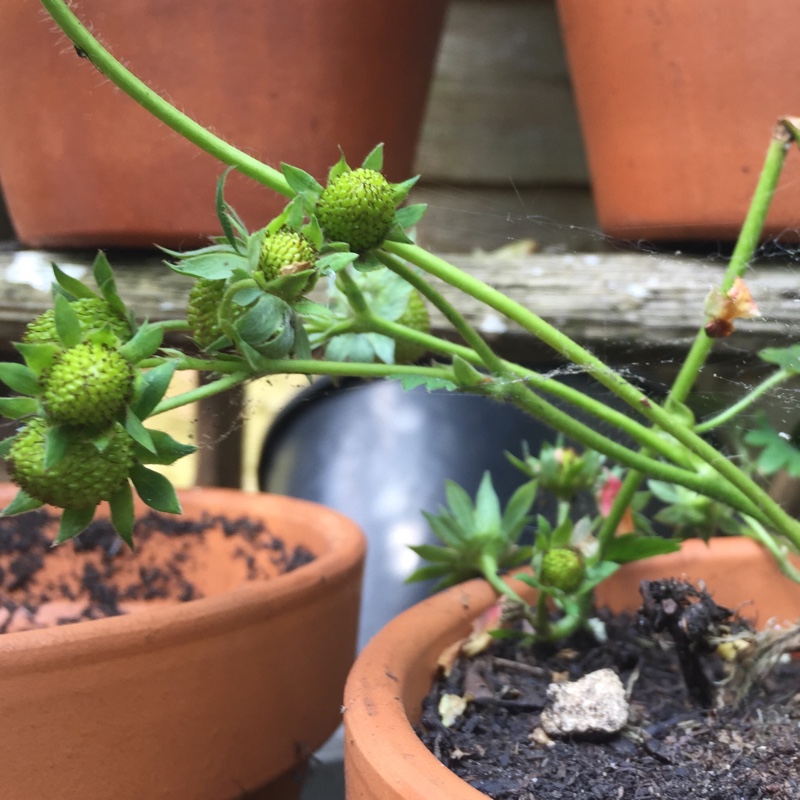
[[97, 589], [671, 748]]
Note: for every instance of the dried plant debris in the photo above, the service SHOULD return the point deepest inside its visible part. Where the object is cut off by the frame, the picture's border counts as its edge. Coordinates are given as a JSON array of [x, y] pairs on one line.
[[742, 745]]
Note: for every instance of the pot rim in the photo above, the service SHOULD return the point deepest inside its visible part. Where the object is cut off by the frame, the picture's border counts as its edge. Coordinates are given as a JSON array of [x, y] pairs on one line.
[[338, 544]]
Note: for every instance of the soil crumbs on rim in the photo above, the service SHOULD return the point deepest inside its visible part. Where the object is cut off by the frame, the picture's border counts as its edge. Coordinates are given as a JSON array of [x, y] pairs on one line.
[[670, 749], [97, 590]]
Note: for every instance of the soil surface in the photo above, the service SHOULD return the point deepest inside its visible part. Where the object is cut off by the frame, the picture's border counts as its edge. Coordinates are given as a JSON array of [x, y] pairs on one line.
[[670, 748], [96, 575]]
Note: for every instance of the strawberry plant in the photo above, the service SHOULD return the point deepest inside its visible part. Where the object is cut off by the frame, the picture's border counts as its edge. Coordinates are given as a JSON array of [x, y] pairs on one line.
[[91, 376]]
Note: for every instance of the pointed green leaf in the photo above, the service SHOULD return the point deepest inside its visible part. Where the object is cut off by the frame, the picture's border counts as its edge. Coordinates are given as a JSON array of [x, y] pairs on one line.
[[374, 159], [154, 385], [73, 522], [410, 381], [57, 441], [313, 232], [104, 276], [333, 262], [431, 552], [18, 407], [68, 326], [146, 341], [465, 374], [5, 446], [460, 504], [122, 517], [223, 209], [155, 490], [409, 216], [19, 378], [302, 345], [400, 190], [167, 449], [427, 572], [72, 286], [397, 234], [301, 182], [339, 168], [215, 266], [39, 357], [632, 547], [367, 262], [487, 505], [516, 515], [138, 432], [21, 503]]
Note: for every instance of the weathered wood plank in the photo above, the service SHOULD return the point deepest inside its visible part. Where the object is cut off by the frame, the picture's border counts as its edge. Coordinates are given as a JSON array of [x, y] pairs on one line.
[[501, 106], [598, 298]]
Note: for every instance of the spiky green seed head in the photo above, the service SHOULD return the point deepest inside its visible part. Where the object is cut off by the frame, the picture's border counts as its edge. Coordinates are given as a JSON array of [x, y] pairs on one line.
[[282, 249], [414, 316], [562, 569], [357, 208], [81, 479], [202, 311], [93, 313], [87, 385]]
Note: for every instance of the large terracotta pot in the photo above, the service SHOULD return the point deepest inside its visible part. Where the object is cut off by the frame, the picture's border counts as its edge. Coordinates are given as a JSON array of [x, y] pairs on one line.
[[677, 100], [384, 759], [82, 165], [209, 699]]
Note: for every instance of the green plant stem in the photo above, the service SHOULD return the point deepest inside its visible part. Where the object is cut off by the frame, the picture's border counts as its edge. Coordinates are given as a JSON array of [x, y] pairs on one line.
[[352, 292], [701, 347], [757, 532], [488, 566], [201, 392], [172, 325], [157, 106], [728, 414], [741, 257]]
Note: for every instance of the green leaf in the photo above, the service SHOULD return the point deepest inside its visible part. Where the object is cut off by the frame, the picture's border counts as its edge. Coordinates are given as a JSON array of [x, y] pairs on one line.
[[57, 441], [39, 357], [138, 432], [18, 407], [516, 516], [313, 232], [20, 378], [21, 503], [262, 320], [411, 381], [786, 357], [223, 210], [215, 266], [465, 374], [104, 276], [778, 452], [122, 516], [68, 326], [374, 159], [167, 449], [154, 385], [488, 515], [73, 522], [632, 547], [367, 262], [339, 168], [5, 446], [155, 490], [428, 572], [397, 234], [301, 182], [431, 552], [333, 262], [460, 504], [72, 286], [409, 216], [400, 190], [146, 342]]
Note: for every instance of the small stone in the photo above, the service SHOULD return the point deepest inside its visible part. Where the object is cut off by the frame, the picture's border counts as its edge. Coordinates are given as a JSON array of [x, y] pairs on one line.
[[591, 706]]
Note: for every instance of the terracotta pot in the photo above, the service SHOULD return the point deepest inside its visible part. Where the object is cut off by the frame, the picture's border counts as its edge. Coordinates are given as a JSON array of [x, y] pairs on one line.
[[384, 759], [82, 165], [676, 102], [208, 699]]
